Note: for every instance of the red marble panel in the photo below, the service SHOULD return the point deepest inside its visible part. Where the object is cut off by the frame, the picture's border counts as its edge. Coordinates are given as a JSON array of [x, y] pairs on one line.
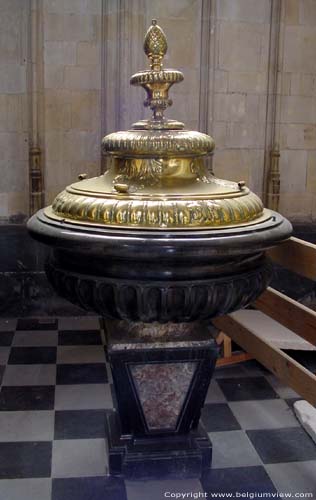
[[162, 388]]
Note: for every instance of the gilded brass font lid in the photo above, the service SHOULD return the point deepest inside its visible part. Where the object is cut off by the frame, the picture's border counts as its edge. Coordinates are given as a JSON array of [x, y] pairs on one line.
[[157, 178]]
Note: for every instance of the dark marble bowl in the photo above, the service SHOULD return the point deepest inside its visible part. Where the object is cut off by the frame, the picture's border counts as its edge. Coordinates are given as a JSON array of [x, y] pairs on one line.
[[143, 275]]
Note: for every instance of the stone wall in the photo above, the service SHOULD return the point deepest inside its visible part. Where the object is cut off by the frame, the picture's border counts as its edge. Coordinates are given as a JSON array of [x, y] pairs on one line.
[[240, 89], [72, 88], [298, 111], [13, 110], [249, 70]]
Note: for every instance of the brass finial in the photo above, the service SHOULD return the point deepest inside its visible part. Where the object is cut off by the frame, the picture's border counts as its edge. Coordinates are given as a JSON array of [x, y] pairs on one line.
[[156, 81], [155, 45]]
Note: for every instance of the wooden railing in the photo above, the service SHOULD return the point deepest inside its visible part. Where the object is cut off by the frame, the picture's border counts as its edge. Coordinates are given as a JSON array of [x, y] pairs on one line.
[[300, 257]]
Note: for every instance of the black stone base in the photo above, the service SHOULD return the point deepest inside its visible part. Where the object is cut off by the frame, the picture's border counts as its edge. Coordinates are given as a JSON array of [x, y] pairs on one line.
[[182, 456]]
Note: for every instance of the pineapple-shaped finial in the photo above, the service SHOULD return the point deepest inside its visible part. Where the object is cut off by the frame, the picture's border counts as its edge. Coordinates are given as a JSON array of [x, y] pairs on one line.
[[157, 80], [155, 45]]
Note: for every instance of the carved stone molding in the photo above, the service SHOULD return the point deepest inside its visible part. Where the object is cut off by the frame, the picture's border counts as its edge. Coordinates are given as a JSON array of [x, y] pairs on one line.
[[160, 300], [207, 68], [271, 177], [35, 84], [207, 64]]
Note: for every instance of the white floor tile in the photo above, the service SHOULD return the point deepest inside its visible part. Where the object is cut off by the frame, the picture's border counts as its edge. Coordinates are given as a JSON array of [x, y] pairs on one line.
[[233, 449], [263, 414], [83, 397], [38, 338], [26, 426], [30, 375], [80, 354], [79, 458], [294, 477], [25, 489]]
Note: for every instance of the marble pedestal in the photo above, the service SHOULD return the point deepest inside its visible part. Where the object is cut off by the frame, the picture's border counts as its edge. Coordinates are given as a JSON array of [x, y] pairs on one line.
[[161, 374]]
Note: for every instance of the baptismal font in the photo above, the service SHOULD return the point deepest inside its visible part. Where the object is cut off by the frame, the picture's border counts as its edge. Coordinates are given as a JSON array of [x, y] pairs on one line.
[[158, 246]]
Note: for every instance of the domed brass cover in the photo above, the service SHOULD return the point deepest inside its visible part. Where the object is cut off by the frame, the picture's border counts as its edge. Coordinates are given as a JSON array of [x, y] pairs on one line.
[[157, 178]]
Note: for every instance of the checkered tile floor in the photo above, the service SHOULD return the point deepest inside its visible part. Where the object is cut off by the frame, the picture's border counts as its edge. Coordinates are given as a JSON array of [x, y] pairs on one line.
[[56, 389]]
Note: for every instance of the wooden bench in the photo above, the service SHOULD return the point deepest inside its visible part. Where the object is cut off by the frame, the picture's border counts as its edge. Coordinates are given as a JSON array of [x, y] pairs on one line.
[[300, 257]]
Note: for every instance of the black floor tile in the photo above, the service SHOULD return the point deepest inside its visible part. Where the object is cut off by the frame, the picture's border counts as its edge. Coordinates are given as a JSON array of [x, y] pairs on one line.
[[6, 338], [20, 398], [254, 365], [32, 355], [238, 480], [89, 488], [37, 324], [246, 388], [283, 445], [21, 460], [229, 371], [79, 424], [88, 373], [219, 417], [81, 337]]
